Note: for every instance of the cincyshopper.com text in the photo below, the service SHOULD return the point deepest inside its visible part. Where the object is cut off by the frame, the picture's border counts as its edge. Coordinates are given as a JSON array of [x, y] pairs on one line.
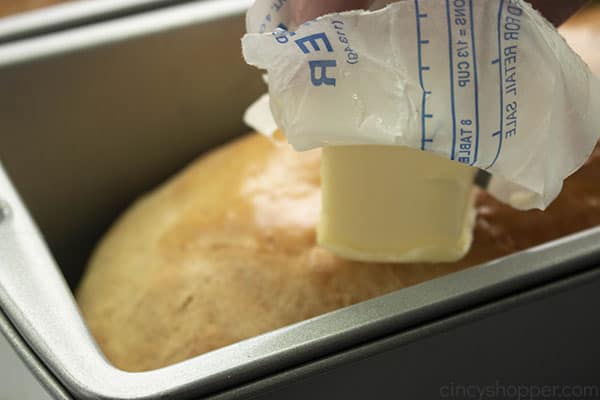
[[502, 391]]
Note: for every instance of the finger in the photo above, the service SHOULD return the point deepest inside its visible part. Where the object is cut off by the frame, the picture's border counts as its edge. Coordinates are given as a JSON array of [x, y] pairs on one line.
[[558, 11], [305, 10]]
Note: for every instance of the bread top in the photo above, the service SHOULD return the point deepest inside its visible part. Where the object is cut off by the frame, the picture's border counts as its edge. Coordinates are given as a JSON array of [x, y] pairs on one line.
[[227, 250], [9, 7]]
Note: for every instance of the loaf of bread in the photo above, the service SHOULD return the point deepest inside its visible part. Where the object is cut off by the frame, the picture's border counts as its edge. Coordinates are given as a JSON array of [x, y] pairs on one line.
[[10, 7], [226, 250]]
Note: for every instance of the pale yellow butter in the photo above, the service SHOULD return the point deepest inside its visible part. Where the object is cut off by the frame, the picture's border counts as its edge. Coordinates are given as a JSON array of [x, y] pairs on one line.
[[395, 204]]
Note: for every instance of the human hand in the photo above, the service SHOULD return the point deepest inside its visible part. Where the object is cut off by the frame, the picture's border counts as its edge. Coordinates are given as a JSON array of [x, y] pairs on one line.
[[556, 11]]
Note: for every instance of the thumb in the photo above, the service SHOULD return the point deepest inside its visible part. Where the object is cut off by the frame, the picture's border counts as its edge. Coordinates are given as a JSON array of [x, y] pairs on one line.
[[305, 10], [558, 11]]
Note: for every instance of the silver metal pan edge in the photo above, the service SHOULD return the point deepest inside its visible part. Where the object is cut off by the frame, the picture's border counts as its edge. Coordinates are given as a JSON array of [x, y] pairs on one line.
[[38, 303], [64, 15]]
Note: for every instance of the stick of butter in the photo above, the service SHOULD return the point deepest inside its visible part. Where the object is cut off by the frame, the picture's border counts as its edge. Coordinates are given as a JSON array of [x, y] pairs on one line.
[[395, 204]]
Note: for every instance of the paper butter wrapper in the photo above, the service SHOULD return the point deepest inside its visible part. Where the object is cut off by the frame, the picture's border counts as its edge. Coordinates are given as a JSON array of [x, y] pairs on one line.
[[488, 83]]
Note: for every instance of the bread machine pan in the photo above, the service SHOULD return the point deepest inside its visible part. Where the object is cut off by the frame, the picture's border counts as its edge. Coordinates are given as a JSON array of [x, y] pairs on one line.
[[70, 14], [95, 115]]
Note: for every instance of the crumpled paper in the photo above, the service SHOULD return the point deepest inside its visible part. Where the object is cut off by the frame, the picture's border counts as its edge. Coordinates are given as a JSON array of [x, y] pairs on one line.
[[489, 83]]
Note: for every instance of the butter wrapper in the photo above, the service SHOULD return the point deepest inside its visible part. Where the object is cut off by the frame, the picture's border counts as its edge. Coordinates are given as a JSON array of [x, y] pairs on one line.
[[487, 83]]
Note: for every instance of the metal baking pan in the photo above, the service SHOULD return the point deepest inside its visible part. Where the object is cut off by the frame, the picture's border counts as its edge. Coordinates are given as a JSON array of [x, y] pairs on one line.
[[85, 114], [71, 14]]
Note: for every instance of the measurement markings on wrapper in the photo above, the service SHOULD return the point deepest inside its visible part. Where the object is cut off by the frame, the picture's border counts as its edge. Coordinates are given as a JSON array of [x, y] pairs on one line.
[[475, 82], [463, 77], [462, 93], [463, 81], [420, 43], [509, 30], [455, 87]]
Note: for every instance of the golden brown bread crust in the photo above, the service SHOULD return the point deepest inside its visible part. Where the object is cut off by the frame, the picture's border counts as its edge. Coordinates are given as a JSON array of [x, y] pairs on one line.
[[9, 7], [226, 250]]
